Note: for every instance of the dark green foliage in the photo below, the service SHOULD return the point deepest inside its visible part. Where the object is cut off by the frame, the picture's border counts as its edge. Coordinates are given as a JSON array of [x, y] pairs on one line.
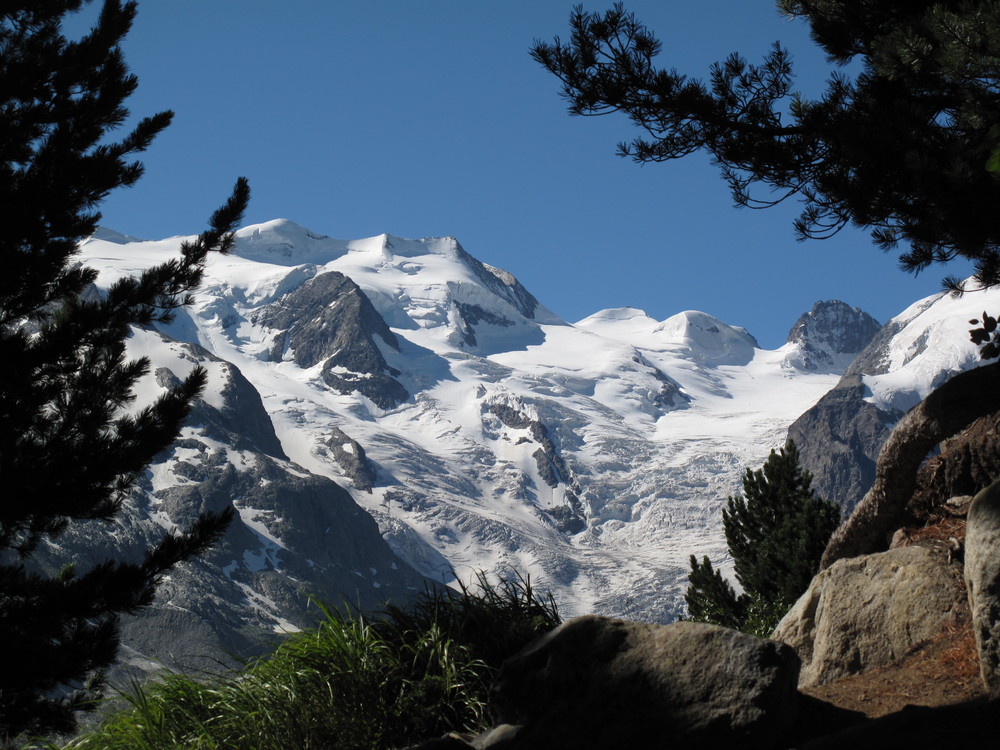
[[776, 533], [420, 672], [711, 598], [492, 621], [69, 449], [987, 337], [903, 147]]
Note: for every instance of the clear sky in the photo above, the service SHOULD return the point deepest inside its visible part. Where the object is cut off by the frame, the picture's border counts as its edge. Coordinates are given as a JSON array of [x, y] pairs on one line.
[[427, 117]]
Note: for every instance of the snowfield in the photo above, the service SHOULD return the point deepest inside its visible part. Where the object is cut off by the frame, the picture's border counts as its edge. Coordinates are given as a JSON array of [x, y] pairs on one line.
[[594, 456]]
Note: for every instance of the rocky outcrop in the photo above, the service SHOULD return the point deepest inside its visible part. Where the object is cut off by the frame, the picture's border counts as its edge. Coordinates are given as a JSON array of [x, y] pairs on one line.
[[839, 438], [501, 283], [829, 334], [551, 467], [838, 441], [596, 682], [294, 534], [329, 320], [868, 611], [351, 457], [967, 463], [944, 413], [472, 315], [982, 578], [240, 421]]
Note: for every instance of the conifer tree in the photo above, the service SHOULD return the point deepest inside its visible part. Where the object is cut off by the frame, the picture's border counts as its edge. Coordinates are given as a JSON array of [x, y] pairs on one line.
[[776, 533], [903, 147], [70, 447]]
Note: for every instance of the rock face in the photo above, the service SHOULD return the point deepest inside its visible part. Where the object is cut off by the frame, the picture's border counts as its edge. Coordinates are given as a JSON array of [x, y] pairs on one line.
[[552, 469], [912, 355], [982, 578], [350, 455], [830, 333], [329, 320], [596, 682], [839, 439], [868, 611], [967, 463], [295, 534]]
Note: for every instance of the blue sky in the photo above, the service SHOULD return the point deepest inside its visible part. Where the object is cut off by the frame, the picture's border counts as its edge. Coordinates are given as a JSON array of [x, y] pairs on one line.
[[428, 118]]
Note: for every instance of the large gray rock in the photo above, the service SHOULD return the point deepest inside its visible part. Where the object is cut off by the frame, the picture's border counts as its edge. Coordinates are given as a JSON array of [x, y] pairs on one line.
[[982, 579], [596, 682], [869, 611]]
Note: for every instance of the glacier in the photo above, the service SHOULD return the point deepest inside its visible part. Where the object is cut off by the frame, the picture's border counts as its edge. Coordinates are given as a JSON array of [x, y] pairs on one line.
[[479, 430]]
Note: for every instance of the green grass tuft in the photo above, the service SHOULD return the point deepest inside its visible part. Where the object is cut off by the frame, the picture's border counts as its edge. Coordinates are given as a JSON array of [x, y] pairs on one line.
[[413, 673]]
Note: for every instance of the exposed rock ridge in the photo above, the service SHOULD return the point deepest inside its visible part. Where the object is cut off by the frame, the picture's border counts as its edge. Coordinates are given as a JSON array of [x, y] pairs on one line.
[[839, 438], [944, 413], [670, 390], [350, 455], [501, 283], [295, 534], [830, 332], [242, 422], [329, 320], [551, 466], [472, 315]]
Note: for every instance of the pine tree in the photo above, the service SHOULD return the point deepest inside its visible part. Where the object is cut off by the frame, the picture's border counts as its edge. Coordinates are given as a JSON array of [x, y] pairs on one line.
[[711, 598], [70, 448], [776, 533], [903, 147]]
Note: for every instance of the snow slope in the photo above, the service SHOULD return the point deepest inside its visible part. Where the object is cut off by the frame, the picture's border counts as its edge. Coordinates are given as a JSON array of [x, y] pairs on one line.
[[595, 456]]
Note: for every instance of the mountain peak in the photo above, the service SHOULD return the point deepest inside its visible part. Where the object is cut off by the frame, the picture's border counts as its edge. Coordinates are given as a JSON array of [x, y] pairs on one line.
[[110, 235], [829, 336], [710, 340], [615, 314], [283, 242]]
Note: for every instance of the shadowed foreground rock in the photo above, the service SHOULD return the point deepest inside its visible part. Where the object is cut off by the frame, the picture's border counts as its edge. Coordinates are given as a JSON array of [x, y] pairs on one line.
[[975, 724], [596, 682]]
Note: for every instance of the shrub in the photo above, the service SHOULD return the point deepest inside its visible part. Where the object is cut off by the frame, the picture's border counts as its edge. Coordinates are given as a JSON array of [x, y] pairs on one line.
[[416, 672]]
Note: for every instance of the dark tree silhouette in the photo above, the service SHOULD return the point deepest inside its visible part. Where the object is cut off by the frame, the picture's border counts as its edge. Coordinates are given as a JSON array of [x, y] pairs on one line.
[[906, 147], [70, 448]]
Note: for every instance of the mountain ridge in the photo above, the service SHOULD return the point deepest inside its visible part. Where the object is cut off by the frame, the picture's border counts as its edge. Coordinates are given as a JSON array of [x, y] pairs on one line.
[[493, 435]]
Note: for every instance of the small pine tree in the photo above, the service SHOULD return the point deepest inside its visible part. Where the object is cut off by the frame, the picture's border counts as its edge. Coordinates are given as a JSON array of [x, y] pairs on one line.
[[69, 447], [776, 533], [711, 598]]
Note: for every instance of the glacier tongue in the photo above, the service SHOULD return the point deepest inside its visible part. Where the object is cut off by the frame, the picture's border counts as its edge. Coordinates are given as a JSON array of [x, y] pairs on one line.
[[479, 430]]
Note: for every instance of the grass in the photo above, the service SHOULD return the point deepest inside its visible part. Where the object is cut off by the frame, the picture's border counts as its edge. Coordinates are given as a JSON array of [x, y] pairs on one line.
[[416, 672]]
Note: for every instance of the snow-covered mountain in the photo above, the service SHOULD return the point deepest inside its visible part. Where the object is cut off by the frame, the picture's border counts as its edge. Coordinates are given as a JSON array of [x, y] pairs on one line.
[[915, 352], [476, 428]]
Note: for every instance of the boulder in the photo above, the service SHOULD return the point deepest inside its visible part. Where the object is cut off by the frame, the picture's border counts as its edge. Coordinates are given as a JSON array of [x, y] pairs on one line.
[[869, 611], [596, 682], [982, 579]]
